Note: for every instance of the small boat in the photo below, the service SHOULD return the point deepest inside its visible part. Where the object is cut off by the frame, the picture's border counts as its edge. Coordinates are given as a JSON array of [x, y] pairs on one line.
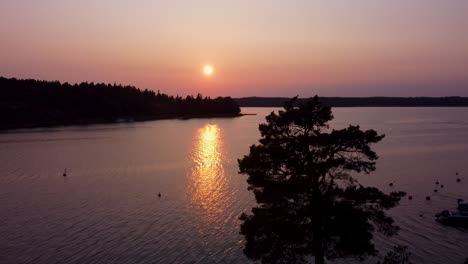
[[462, 206], [459, 217], [453, 217]]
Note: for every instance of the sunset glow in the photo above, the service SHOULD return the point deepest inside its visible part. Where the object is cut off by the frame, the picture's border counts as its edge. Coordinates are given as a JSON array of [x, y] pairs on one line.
[[155, 131], [264, 48], [208, 70]]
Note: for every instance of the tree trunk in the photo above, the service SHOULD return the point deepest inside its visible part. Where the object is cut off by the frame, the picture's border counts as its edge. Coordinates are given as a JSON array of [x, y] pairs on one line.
[[319, 256], [318, 224], [318, 240]]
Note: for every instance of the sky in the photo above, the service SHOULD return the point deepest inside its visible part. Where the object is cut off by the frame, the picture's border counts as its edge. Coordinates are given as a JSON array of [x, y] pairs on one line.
[[257, 48]]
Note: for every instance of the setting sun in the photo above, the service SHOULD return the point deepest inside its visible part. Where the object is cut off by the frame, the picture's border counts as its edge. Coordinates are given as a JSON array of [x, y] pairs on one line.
[[208, 70]]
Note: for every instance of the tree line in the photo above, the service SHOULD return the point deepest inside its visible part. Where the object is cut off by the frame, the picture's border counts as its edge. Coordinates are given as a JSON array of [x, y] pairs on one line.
[[32, 103], [360, 101]]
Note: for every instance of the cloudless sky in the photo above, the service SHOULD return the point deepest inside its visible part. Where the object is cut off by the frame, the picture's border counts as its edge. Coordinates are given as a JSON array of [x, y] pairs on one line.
[[261, 47]]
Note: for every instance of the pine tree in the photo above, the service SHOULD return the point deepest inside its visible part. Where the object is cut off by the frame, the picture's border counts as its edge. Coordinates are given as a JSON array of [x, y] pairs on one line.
[[308, 202]]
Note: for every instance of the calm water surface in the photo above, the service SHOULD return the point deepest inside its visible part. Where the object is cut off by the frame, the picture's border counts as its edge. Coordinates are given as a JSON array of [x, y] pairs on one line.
[[107, 209]]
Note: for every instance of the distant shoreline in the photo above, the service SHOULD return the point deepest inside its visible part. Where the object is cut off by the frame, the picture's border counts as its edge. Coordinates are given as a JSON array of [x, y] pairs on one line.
[[453, 101]]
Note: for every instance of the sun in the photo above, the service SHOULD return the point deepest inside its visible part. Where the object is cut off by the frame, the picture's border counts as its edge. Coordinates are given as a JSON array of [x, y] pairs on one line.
[[208, 70]]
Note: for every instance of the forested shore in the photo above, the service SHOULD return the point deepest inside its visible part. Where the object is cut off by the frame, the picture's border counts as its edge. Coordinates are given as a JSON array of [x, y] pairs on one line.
[[34, 103]]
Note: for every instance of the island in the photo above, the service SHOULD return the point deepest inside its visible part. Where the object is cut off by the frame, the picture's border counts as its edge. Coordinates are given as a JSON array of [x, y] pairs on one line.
[[27, 103]]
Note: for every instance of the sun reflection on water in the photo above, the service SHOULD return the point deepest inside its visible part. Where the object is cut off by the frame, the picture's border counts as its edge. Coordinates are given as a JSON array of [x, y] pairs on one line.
[[207, 180]]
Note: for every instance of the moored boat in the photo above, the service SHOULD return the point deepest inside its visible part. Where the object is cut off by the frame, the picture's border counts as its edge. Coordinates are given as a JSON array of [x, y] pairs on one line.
[[453, 217], [462, 206], [459, 217]]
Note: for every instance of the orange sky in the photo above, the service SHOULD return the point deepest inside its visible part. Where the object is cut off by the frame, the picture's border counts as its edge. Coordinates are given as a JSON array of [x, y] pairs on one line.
[[262, 48]]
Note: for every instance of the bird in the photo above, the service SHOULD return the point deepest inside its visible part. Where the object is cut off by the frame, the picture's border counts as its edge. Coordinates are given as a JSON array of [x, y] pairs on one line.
[[441, 186], [458, 180], [65, 173], [159, 195], [456, 173], [428, 198], [410, 197], [435, 190], [437, 182], [390, 184]]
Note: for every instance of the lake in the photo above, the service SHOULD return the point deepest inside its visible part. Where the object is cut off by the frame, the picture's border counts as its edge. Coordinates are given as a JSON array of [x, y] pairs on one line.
[[107, 209]]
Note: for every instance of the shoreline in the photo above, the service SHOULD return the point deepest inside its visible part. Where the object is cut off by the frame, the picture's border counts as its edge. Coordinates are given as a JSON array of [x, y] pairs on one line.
[[124, 120]]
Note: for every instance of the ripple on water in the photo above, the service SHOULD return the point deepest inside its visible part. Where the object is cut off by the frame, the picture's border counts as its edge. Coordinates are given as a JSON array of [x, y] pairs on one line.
[[107, 210]]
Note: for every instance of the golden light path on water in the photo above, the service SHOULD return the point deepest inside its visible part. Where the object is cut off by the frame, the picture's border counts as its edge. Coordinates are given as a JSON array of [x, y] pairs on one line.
[[207, 183]]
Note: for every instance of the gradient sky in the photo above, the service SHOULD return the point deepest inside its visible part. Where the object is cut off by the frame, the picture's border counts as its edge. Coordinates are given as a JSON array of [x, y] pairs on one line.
[[262, 48]]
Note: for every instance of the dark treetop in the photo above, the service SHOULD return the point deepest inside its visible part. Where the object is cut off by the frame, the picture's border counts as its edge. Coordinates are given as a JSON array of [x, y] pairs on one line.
[[32, 103], [308, 202]]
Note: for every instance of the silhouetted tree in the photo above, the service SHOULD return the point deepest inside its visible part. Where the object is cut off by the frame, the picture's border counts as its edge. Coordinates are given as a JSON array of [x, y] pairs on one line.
[[309, 205]]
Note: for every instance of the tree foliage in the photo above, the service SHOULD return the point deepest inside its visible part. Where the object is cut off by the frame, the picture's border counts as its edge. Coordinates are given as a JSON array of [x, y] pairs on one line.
[[28, 103], [308, 202]]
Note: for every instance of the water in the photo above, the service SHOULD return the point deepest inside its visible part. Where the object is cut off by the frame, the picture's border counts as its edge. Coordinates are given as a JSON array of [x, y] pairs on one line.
[[107, 209]]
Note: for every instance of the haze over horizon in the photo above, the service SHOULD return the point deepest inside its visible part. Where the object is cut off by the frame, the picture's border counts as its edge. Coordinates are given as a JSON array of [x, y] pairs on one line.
[[262, 48]]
